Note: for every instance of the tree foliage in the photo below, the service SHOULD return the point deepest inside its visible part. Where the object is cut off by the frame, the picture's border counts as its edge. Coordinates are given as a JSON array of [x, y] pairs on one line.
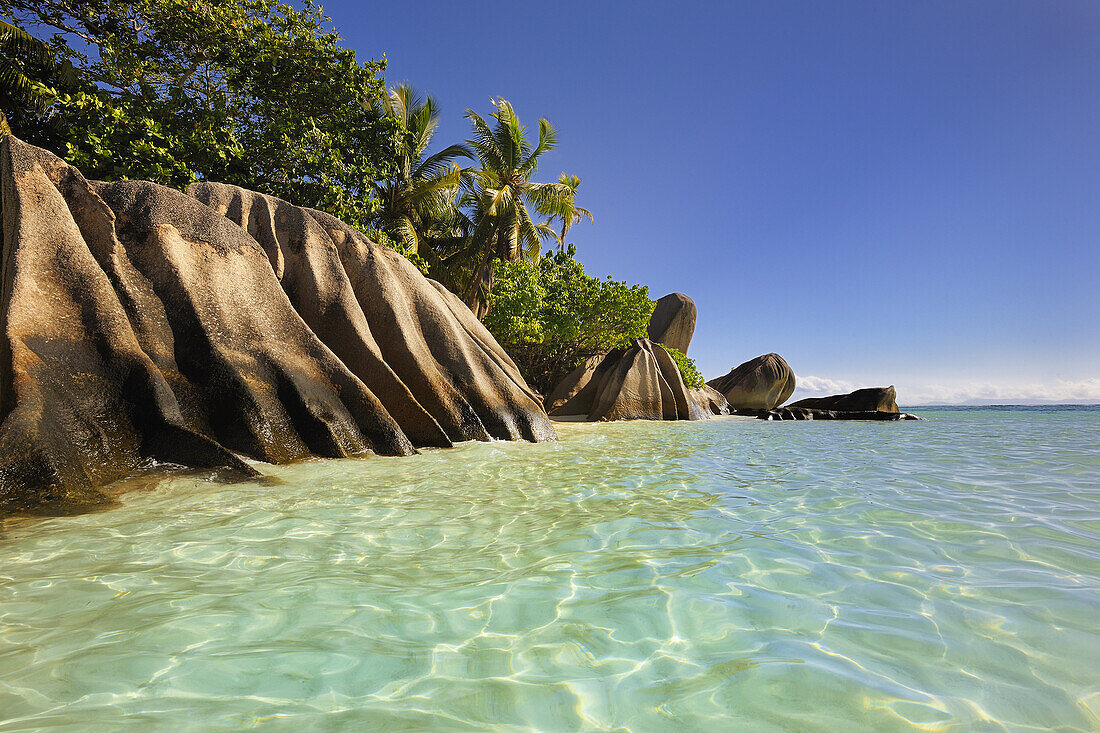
[[550, 315], [564, 208], [693, 379], [26, 63], [417, 203], [500, 195], [250, 92]]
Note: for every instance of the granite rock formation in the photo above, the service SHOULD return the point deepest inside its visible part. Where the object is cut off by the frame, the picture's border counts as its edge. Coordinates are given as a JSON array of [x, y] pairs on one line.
[[710, 400], [673, 322], [433, 365], [762, 383], [639, 382], [141, 327], [869, 399], [806, 413]]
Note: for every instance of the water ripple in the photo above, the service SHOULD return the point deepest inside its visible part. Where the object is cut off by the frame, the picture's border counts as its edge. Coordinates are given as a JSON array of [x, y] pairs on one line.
[[732, 574]]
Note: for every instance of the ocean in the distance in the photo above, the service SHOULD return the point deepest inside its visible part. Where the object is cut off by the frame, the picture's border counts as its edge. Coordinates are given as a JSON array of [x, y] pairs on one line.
[[733, 574]]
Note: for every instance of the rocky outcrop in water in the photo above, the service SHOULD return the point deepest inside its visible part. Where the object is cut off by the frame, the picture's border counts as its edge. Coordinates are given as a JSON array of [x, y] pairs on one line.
[[869, 399], [673, 322], [759, 384], [709, 400], [805, 413], [639, 382], [143, 327]]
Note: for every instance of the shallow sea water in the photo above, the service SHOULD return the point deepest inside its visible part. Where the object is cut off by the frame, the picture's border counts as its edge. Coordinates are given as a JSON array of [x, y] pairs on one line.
[[726, 575]]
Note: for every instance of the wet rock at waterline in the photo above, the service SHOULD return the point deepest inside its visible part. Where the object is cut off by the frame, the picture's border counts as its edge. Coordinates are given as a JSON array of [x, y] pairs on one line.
[[639, 382], [673, 322], [805, 413], [143, 327], [710, 400], [882, 399], [759, 384]]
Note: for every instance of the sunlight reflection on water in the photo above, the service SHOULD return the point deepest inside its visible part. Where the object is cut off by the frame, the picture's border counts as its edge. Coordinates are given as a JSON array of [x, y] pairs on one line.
[[734, 573]]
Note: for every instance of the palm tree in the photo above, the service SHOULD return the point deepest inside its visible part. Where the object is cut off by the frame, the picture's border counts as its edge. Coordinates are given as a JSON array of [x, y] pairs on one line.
[[19, 53], [566, 210], [498, 194], [417, 203]]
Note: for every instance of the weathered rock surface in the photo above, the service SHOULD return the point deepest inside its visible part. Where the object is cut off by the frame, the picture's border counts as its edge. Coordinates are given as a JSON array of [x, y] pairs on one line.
[[141, 327], [639, 382], [673, 322], [574, 394], [882, 399], [806, 413], [710, 400], [413, 343], [759, 384]]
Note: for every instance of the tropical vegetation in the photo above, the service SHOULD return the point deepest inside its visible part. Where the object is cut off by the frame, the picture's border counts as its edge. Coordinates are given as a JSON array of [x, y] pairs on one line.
[[416, 204], [551, 315], [263, 95], [26, 63], [252, 92], [693, 379]]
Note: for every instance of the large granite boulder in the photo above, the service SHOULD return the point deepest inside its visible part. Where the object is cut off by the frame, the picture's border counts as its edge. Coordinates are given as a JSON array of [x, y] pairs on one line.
[[673, 322], [574, 394], [806, 413], [413, 342], [710, 400], [639, 382], [142, 328], [759, 384], [870, 399]]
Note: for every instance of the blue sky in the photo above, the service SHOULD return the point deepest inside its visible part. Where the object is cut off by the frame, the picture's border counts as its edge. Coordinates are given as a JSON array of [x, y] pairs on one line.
[[882, 192]]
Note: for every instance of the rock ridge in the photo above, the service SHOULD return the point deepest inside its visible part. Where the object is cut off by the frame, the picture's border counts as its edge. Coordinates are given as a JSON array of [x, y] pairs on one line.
[[144, 327]]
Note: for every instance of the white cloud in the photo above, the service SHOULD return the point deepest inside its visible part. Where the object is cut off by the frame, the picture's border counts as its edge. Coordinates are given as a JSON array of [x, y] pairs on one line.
[[1081, 390], [822, 385]]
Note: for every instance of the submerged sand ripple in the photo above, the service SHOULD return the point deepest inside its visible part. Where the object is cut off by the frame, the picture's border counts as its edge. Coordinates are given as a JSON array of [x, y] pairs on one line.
[[941, 575]]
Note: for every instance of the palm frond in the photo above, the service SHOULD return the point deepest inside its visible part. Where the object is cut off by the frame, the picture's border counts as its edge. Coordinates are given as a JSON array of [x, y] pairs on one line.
[[14, 41], [484, 143], [548, 140], [433, 164], [551, 199]]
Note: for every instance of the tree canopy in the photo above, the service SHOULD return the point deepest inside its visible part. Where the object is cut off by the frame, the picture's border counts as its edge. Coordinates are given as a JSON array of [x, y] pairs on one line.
[[416, 204], [551, 315], [249, 92], [498, 192]]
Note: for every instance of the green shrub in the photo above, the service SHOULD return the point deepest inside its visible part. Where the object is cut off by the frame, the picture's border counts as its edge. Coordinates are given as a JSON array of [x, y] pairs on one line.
[[690, 374], [550, 316], [379, 236]]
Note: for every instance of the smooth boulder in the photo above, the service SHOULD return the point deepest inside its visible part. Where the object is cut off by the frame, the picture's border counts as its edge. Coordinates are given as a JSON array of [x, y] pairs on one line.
[[759, 384], [710, 400], [869, 399], [639, 382], [144, 329], [430, 361], [673, 322], [806, 413]]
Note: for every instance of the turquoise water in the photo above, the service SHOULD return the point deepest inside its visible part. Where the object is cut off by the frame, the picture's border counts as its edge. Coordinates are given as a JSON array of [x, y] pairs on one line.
[[727, 575]]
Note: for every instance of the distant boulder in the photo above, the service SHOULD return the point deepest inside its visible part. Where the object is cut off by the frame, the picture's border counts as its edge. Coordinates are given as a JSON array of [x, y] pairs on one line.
[[710, 400], [673, 322], [881, 399], [639, 382], [805, 413], [759, 384], [574, 394]]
